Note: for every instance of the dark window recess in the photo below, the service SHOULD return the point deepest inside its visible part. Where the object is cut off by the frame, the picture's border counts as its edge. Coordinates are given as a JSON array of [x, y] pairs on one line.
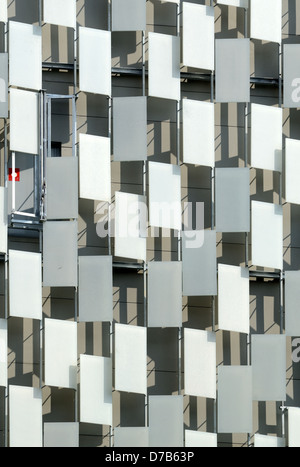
[[55, 149]]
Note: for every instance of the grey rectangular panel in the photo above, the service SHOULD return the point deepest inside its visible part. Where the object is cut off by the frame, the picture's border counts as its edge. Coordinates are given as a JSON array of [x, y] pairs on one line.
[[3, 85], [62, 187], [292, 300], [165, 294], [166, 421], [199, 261], [60, 254], [130, 128], [129, 15], [269, 367], [291, 74], [61, 435], [131, 437], [233, 200], [95, 289], [233, 70], [235, 399]]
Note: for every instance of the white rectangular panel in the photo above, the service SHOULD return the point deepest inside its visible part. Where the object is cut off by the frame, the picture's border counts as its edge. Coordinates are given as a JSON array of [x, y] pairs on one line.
[[292, 300], [24, 121], [164, 66], [234, 299], [95, 390], [197, 439], [294, 427], [3, 220], [3, 352], [269, 367], [94, 168], [61, 15], [3, 85], [235, 399], [131, 359], [266, 20], [95, 61], [3, 11], [166, 421], [292, 171], [129, 15], [267, 235], [25, 415], [61, 435], [198, 133], [266, 137], [237, 3], [165, 196], [130, 226], [200, 361], [198, 36], [60, 354], [25, 284], [261, 441], [131, 437], [25, 55]]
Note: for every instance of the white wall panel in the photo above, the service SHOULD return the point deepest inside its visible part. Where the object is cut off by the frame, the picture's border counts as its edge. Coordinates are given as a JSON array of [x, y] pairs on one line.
[[25, 55], [24, 121], [237, 3], [292, 171], [198, 133], [25, 417], [3, 11], [25, 284], [200, 362], [129, 15], [131, 359], [261, 441], [292, 300], [198, 439], [130, 226], [3, 85], [61, 435], [60, 353], [198, 36], [266, 20], [266, 137], [165, 196], [3, 352], [294, 427], [131, 437], [61, 15], [94, 168], [95, 61], [234, 299], [95, 390], [3, 220], [267, 235], [166, 421], [164, 66]]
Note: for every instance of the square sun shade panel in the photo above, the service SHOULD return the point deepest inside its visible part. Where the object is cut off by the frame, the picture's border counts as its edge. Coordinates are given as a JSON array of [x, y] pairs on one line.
[[235, 399], [164, 66], [25, 415], [62, 188], [165, 196], [3, 352], [267, 235], [266, 137], [164, 294], [95, 390], [232, 200], [269, 367], [131, 359], [130, 128], [24, 121], [200, 361], [94, 168], [232, 70], [234, 299], [292, 300], [54, 13], [95, 61], [294, 427], [266, 20], [3, 11], [25, 55], [95, 289], [166, 421], [199, 261], [3, 220], [3, 85], [60, 254], [237, 3], [61, 435], [198, 439], [291, 73], [25, 284], [131, 437], [198, 36], [131, 226], [129, 15], [292, 171], [198, 133], [261, 441], [60, 354]]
